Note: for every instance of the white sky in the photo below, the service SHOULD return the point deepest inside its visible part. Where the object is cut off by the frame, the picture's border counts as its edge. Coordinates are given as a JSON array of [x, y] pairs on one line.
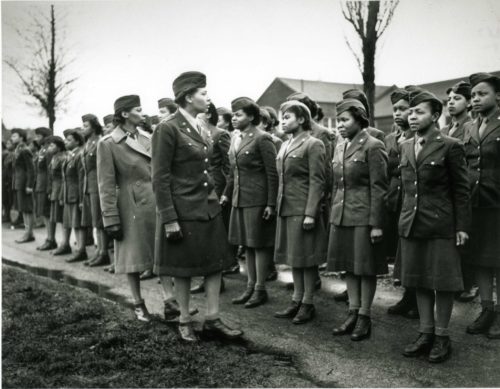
[[139, 47]]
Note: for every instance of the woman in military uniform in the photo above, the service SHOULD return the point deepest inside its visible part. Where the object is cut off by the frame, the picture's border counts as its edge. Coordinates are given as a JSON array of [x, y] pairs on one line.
[[434, 220], [91, 204], [301, 236], [252, 186], [482, 146], [356, 220], [190, 234], [24, 180], [126, 195], [109, 126]]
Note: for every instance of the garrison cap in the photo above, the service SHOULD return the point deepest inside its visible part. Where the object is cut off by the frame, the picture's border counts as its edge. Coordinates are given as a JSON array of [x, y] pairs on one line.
[[44, 131], [400, 94], [243, 102], [224, 111], [127, 102], [166, 102], [273, 113], [477, 78], [357, 95], [345, 104], [76, 133], [294, 103], [188, 81], [57, 140], [298, 96], [88, 117], [108, 119], [461, 88], [425, 96]]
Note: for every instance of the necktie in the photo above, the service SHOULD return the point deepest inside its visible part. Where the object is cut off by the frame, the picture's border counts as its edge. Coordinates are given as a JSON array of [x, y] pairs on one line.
[[483, 126], [237, 142], [401, 138], [419, 144], [453, 129], [132, 135]]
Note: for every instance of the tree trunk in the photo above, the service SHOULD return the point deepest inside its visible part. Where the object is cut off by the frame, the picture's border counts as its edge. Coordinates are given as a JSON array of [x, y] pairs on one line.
[[369, 49], [51, 98]]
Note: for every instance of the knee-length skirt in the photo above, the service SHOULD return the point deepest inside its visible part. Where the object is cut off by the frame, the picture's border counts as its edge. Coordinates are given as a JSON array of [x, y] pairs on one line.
[[202, 251], [430, 264], [86, 213], [42, 204], [24, 201], [248, 228], [72, 216], [483, 249], [350, 249], [56, 212], [297, 247]]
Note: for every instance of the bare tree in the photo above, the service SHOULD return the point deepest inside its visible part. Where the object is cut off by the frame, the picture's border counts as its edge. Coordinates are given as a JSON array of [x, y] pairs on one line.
[[42, 75], [369, 19]]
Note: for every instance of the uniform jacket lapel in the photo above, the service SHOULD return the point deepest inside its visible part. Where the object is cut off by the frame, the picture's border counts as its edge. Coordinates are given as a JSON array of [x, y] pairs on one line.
[[357, 142], [186, 127], [434, 142], [493, 123], [296, 143], [118, 134], [247, 139]]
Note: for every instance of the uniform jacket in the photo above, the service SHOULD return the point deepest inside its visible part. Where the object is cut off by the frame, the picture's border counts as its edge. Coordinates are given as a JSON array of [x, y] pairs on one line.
[[483, 159], [182, 182], [460, 132], [253, 179], [359, 182], [73, 177], [7, 170], [301, 172], [24, 170], [436, 197], [42, 162], [219, 161], [55, 180], [394, 192], [89, 157], [277, 142], [376, 133], [126, 193]]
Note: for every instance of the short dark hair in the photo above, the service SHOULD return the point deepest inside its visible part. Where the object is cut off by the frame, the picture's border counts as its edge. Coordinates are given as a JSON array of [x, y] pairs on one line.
[[78, 139], [299, 113], [181, 100], [96, 126], [311, 104], [320, 114], [436, 106], [118, 118], [34, 143], [359, 116], [214, 115], [227, 118], [252, 110]]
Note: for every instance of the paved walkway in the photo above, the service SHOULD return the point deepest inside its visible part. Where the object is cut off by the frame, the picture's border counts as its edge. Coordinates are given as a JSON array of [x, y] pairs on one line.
[[326, 360]]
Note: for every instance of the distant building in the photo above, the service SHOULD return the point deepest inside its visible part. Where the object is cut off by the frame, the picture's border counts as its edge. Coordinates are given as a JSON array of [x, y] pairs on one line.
[[327, 94]]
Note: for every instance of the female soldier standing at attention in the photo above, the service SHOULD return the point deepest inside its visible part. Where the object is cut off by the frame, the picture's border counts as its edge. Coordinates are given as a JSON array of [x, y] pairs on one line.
[[482, 146], [252, 185], [128, 214], [190, 235], [301, 237], [435, 216], [109, 126], [356, 220], [91, 205]]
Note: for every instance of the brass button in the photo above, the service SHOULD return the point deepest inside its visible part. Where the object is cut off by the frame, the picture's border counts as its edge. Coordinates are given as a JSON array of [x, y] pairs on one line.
[[205, 184]]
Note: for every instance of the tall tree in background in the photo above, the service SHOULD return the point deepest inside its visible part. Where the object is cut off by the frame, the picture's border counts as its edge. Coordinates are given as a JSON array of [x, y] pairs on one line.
[[369, 20], [42, 75]]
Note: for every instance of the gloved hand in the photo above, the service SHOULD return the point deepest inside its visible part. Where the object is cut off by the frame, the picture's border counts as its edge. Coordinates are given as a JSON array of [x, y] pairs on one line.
[[173, 231]]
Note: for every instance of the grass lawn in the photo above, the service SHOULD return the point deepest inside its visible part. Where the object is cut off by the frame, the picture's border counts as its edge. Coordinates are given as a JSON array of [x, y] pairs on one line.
[[56, 335]]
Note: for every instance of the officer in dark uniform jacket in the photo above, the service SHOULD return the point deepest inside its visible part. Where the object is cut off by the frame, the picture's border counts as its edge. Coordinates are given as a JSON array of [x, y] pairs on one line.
[[482, 146], [360, 96], [458, 106], [434, 220], [109, 126], [24, 180]]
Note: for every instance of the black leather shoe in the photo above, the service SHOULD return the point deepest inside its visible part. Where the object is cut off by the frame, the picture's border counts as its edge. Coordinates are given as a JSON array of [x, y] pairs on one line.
[[494, 330], [348, 325], [186, 331], [468, 295], [145, 275], [48, 245], [101, 260], [272, 276], [421, 346], [235, 269], [243, 298], [289, 312], [363, 328], [26, 239], [483, 322], [259, 297], [403, 306], [306, 313], [171, 310], [78, 257], [141, 312], [341, 297], [218, 328], [222, 286], [441, 350], [62, 250]]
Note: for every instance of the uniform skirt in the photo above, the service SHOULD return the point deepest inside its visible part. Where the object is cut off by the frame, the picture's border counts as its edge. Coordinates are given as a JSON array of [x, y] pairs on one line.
[[95, 210], [202, 251], [56, 212], [86, 212], [24, 201], [297, 247], [484, 245], [430, 264], [350, 249], [248, 228], [72, 216], [42, 204]]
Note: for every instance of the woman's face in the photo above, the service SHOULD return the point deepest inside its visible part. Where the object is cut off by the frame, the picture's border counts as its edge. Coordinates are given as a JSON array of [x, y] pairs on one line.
[[456, 104], [134, 116], [421, 117], [400, 111], [9, 145], [484, 98], [289, 122], [347, 125], [199, 100], [70, 142], [15, 138], [87, 129], [241, 120], [52, 148], [108, 128], [221, 123]]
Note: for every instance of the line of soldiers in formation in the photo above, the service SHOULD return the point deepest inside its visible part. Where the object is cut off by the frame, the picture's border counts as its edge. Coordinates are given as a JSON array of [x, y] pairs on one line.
[[179, 197]]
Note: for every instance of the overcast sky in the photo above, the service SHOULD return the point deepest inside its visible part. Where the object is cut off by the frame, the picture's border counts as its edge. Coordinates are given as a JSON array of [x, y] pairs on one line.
[[139, 47]]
